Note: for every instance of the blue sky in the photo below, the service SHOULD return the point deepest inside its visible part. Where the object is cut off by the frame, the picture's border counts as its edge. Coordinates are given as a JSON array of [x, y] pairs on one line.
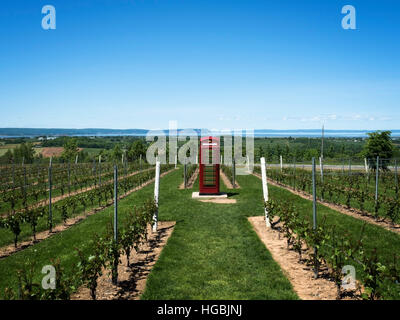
[[215, 64]]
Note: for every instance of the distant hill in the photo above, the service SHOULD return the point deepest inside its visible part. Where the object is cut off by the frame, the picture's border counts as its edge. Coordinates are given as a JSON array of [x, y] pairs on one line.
[[36, 132]]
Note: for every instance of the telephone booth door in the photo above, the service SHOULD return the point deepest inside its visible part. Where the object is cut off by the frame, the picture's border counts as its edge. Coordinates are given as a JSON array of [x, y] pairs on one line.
[[209, 165]]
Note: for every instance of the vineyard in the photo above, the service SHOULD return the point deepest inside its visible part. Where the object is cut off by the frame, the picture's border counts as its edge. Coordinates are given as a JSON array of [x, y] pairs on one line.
[[377, 269], [371, 194], [62, 216]]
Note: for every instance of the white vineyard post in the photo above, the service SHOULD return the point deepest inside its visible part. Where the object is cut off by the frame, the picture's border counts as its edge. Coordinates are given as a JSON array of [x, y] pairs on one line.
[[281, 163], [265, 189], [156, 194], [76, 159], [366, 166], [176, 160], [248, 164]]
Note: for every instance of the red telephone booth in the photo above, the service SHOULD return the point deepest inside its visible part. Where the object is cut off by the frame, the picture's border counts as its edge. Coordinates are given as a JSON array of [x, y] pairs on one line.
[[209, 165]]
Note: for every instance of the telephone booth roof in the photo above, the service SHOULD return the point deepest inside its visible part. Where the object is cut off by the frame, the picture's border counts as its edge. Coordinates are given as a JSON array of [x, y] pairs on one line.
[[213, 140]]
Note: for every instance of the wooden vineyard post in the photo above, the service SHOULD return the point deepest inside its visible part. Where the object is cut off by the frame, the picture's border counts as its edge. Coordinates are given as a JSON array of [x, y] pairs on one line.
[[24, 182], [265, 190], [233, 173], [156, 194], [314, 217], [115, 263], [69, 178], [50, 189], [13, 174], [294, 173], [321, 167], [343, 167], [396, 178], [377, 180], [94, 171], [350, 167], [99, 170]]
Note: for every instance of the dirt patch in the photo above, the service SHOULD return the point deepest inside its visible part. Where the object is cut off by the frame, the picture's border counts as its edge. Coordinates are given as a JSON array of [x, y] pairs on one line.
[[132, 279], [48, 152], [299, 274], [226, 181], [223, 200], [357, 214], [191, 181], [40, 236]]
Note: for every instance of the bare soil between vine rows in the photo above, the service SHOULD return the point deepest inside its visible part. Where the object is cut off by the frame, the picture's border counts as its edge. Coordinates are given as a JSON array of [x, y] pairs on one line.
[[300, 275], [132, 279], [340, 208], [226, 181], [40, 236], [191, 180]]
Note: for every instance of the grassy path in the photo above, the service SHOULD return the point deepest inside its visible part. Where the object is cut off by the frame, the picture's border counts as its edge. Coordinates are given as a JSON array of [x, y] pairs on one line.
[[213, 252]]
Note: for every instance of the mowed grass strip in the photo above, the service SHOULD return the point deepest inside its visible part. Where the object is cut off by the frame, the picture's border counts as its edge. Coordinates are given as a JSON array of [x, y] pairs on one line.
[[213, 252], [63, 244]]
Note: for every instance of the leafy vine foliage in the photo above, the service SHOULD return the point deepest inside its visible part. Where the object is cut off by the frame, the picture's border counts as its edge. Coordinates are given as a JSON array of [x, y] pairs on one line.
[[102, 253], [322, 245]]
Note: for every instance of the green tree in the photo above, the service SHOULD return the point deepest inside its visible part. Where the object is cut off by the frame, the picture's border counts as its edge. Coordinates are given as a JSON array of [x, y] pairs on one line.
[[116, 153], [24, 152], [70, 150], [137, 148], [380, 144]]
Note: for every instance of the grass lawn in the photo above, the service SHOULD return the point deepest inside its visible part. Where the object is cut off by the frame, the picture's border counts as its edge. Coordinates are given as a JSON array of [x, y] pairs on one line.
[[213, 252]]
